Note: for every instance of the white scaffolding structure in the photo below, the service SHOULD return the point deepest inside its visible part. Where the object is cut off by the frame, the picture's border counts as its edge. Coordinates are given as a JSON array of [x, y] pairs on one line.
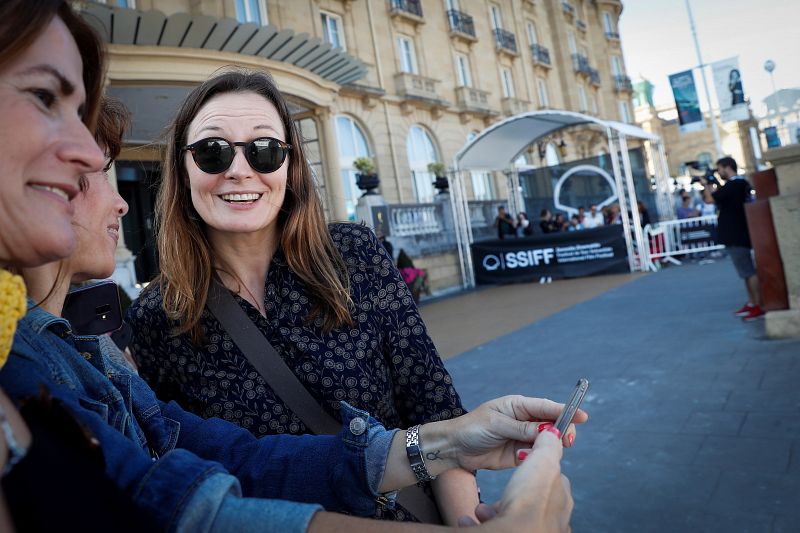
[[498, 146]]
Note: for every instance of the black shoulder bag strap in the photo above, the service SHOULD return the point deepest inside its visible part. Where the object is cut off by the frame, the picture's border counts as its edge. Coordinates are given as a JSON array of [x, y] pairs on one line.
[[263, 356]]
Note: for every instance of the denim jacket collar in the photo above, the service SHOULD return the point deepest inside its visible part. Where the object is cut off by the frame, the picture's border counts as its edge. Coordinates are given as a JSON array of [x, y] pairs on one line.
[[39, 320]]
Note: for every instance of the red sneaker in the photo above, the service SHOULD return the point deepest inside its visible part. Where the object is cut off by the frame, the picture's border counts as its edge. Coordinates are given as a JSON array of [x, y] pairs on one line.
[[755, 312], [744, 310]]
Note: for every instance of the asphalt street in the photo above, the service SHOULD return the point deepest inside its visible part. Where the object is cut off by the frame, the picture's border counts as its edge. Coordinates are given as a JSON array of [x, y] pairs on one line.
[[695, 420]]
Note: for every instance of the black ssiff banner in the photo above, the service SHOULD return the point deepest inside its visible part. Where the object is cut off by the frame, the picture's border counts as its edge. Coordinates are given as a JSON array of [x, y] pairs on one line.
[[571, 254]]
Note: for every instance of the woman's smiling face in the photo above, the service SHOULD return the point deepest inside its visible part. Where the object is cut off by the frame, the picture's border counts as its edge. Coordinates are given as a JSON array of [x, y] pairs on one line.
[[46, 148], [239, 199]]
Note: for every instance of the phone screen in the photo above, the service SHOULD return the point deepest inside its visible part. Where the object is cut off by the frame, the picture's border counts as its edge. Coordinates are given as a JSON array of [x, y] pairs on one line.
[[571, 407], [94, 310]]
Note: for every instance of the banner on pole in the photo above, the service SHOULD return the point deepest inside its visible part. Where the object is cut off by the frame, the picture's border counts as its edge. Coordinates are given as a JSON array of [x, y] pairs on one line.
[[685, 92], [730, 93], [559, 255]]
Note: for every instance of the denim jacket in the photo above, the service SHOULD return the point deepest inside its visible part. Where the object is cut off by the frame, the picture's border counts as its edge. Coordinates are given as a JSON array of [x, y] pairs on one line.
[[163, 456]]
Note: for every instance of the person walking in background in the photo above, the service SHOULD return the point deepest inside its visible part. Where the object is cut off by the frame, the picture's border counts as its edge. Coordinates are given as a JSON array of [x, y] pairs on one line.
[[732, 231], [594, 219], [524, 228], [504, 223], [707, 207]]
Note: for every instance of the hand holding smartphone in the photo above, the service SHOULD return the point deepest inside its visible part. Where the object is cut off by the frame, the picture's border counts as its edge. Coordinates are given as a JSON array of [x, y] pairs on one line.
[[571, 407]]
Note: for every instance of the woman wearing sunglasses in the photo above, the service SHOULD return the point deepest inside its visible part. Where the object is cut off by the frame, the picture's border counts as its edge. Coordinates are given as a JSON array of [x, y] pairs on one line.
[[238, 201], [172, 466]]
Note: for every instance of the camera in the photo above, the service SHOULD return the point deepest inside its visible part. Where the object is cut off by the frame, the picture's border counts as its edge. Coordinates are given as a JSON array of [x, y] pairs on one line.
[[702, 171]]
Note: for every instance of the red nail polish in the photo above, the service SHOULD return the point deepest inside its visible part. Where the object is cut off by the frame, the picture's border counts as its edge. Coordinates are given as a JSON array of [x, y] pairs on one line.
[[571, 439], [544, 426], [554, 430], [521, 455]]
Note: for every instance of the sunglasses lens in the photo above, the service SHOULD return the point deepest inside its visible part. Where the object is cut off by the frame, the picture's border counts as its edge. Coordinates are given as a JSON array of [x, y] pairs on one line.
[[213, 155], [266, 155]]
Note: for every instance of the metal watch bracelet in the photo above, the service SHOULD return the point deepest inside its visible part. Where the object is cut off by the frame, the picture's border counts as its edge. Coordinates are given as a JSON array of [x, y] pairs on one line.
[[415, 456]]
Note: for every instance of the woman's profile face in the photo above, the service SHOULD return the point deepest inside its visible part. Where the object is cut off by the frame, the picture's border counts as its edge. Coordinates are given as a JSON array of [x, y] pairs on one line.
[[239, 199], [98, 210], [46, 148]]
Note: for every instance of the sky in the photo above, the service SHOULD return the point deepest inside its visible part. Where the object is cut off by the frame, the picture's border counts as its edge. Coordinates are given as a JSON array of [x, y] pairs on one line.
[[657, 41]]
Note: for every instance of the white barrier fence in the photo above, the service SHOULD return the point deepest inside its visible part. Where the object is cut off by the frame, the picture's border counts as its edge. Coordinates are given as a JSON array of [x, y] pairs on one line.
[[672, 238]]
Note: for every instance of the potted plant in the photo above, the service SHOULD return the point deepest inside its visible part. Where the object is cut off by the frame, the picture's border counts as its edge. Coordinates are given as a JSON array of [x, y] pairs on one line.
[[366, 178], [438, 169]]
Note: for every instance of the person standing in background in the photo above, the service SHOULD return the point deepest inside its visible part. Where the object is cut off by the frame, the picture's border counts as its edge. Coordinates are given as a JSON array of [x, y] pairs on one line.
[[504, 223]]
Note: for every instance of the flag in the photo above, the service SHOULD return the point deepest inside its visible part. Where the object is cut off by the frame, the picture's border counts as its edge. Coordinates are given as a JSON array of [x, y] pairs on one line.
[[730, 93], [685, 92]]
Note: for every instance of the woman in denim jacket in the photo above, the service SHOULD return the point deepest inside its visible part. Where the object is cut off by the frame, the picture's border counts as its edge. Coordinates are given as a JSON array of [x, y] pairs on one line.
[[184, 472]]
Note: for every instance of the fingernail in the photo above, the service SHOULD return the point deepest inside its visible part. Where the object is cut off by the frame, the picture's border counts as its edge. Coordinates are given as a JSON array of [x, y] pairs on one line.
[[544, 426], [571, 439], [521, 455], [554, 430]]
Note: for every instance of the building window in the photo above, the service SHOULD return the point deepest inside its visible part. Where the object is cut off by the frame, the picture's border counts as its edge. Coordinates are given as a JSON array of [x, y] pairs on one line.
[[408, 58], [482, 188], [573, 44], [352, 145], [533, 38], [421, 153], [331, 30], [551, 157], [616, 66], [544, 98], [582, 105], [608, 23], [507, 81], [497, 18], [462, 68], [624, 111], [593, 105], [452, 5], [254, 11]]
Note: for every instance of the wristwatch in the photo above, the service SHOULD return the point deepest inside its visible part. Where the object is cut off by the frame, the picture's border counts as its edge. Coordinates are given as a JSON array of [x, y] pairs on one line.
[[415, 458]]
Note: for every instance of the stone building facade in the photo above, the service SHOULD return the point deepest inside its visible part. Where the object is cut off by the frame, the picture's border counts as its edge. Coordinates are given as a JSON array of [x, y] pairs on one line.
[[405, 82]]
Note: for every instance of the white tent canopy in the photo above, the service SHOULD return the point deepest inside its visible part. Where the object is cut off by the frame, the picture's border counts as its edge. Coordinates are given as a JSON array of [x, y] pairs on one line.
[[498, 146]]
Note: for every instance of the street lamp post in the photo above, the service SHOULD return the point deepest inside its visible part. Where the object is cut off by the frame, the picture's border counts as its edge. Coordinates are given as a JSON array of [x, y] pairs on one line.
[[769, 66], [702, 67]]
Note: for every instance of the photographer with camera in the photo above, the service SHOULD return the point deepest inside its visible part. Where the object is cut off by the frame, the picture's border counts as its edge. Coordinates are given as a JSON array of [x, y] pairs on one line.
[[732, 230]]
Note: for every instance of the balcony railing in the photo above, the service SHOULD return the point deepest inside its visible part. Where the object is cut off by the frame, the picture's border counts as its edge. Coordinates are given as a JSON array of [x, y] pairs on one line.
[[623, 84], [568, 9], [594, 77], [461, 22], [471, 99], [420, 219], [612, 36], [416, 86], [505, 40], [581, 25], [514, 106], [540, 55], [581, 64], [411, 7]]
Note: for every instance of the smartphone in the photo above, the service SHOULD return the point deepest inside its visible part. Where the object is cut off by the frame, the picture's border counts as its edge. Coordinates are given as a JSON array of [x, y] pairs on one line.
[[571, 407], [94, 309]]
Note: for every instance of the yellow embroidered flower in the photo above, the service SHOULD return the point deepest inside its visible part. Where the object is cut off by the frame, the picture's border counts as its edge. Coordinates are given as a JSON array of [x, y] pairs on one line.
[[12, 308]]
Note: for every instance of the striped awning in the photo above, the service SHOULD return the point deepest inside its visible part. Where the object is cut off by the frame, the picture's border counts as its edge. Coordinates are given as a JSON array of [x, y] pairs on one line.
[[153, 28]]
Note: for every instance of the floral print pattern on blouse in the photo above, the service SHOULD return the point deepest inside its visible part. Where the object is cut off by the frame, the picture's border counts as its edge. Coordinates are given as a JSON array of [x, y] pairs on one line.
[[384, 363]]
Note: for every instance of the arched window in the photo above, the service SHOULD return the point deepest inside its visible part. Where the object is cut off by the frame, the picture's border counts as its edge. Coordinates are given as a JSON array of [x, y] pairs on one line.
[[705, 159], [482, 182], [551, 155], [352, 144], [421, 152]]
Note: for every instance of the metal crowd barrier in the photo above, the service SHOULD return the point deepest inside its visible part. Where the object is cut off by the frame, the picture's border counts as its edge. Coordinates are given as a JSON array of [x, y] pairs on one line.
[[672, 238]]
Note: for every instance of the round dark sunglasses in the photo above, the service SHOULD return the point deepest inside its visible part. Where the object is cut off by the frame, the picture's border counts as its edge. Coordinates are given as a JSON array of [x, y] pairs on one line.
[[215, 154]]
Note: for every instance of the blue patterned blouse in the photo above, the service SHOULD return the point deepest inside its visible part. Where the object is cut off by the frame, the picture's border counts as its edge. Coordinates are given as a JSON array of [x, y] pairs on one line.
[[385, 363]]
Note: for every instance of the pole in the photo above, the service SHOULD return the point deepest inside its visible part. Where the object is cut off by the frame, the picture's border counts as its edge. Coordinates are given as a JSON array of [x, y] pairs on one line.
[[711, 116]]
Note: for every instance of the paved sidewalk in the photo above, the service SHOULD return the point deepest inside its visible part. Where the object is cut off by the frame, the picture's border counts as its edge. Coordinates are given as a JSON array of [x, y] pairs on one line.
[[695, 416]]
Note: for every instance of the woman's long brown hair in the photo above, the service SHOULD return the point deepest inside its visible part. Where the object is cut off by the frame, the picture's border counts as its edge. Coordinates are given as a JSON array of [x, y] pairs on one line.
[[185, 254], [21, 22]]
